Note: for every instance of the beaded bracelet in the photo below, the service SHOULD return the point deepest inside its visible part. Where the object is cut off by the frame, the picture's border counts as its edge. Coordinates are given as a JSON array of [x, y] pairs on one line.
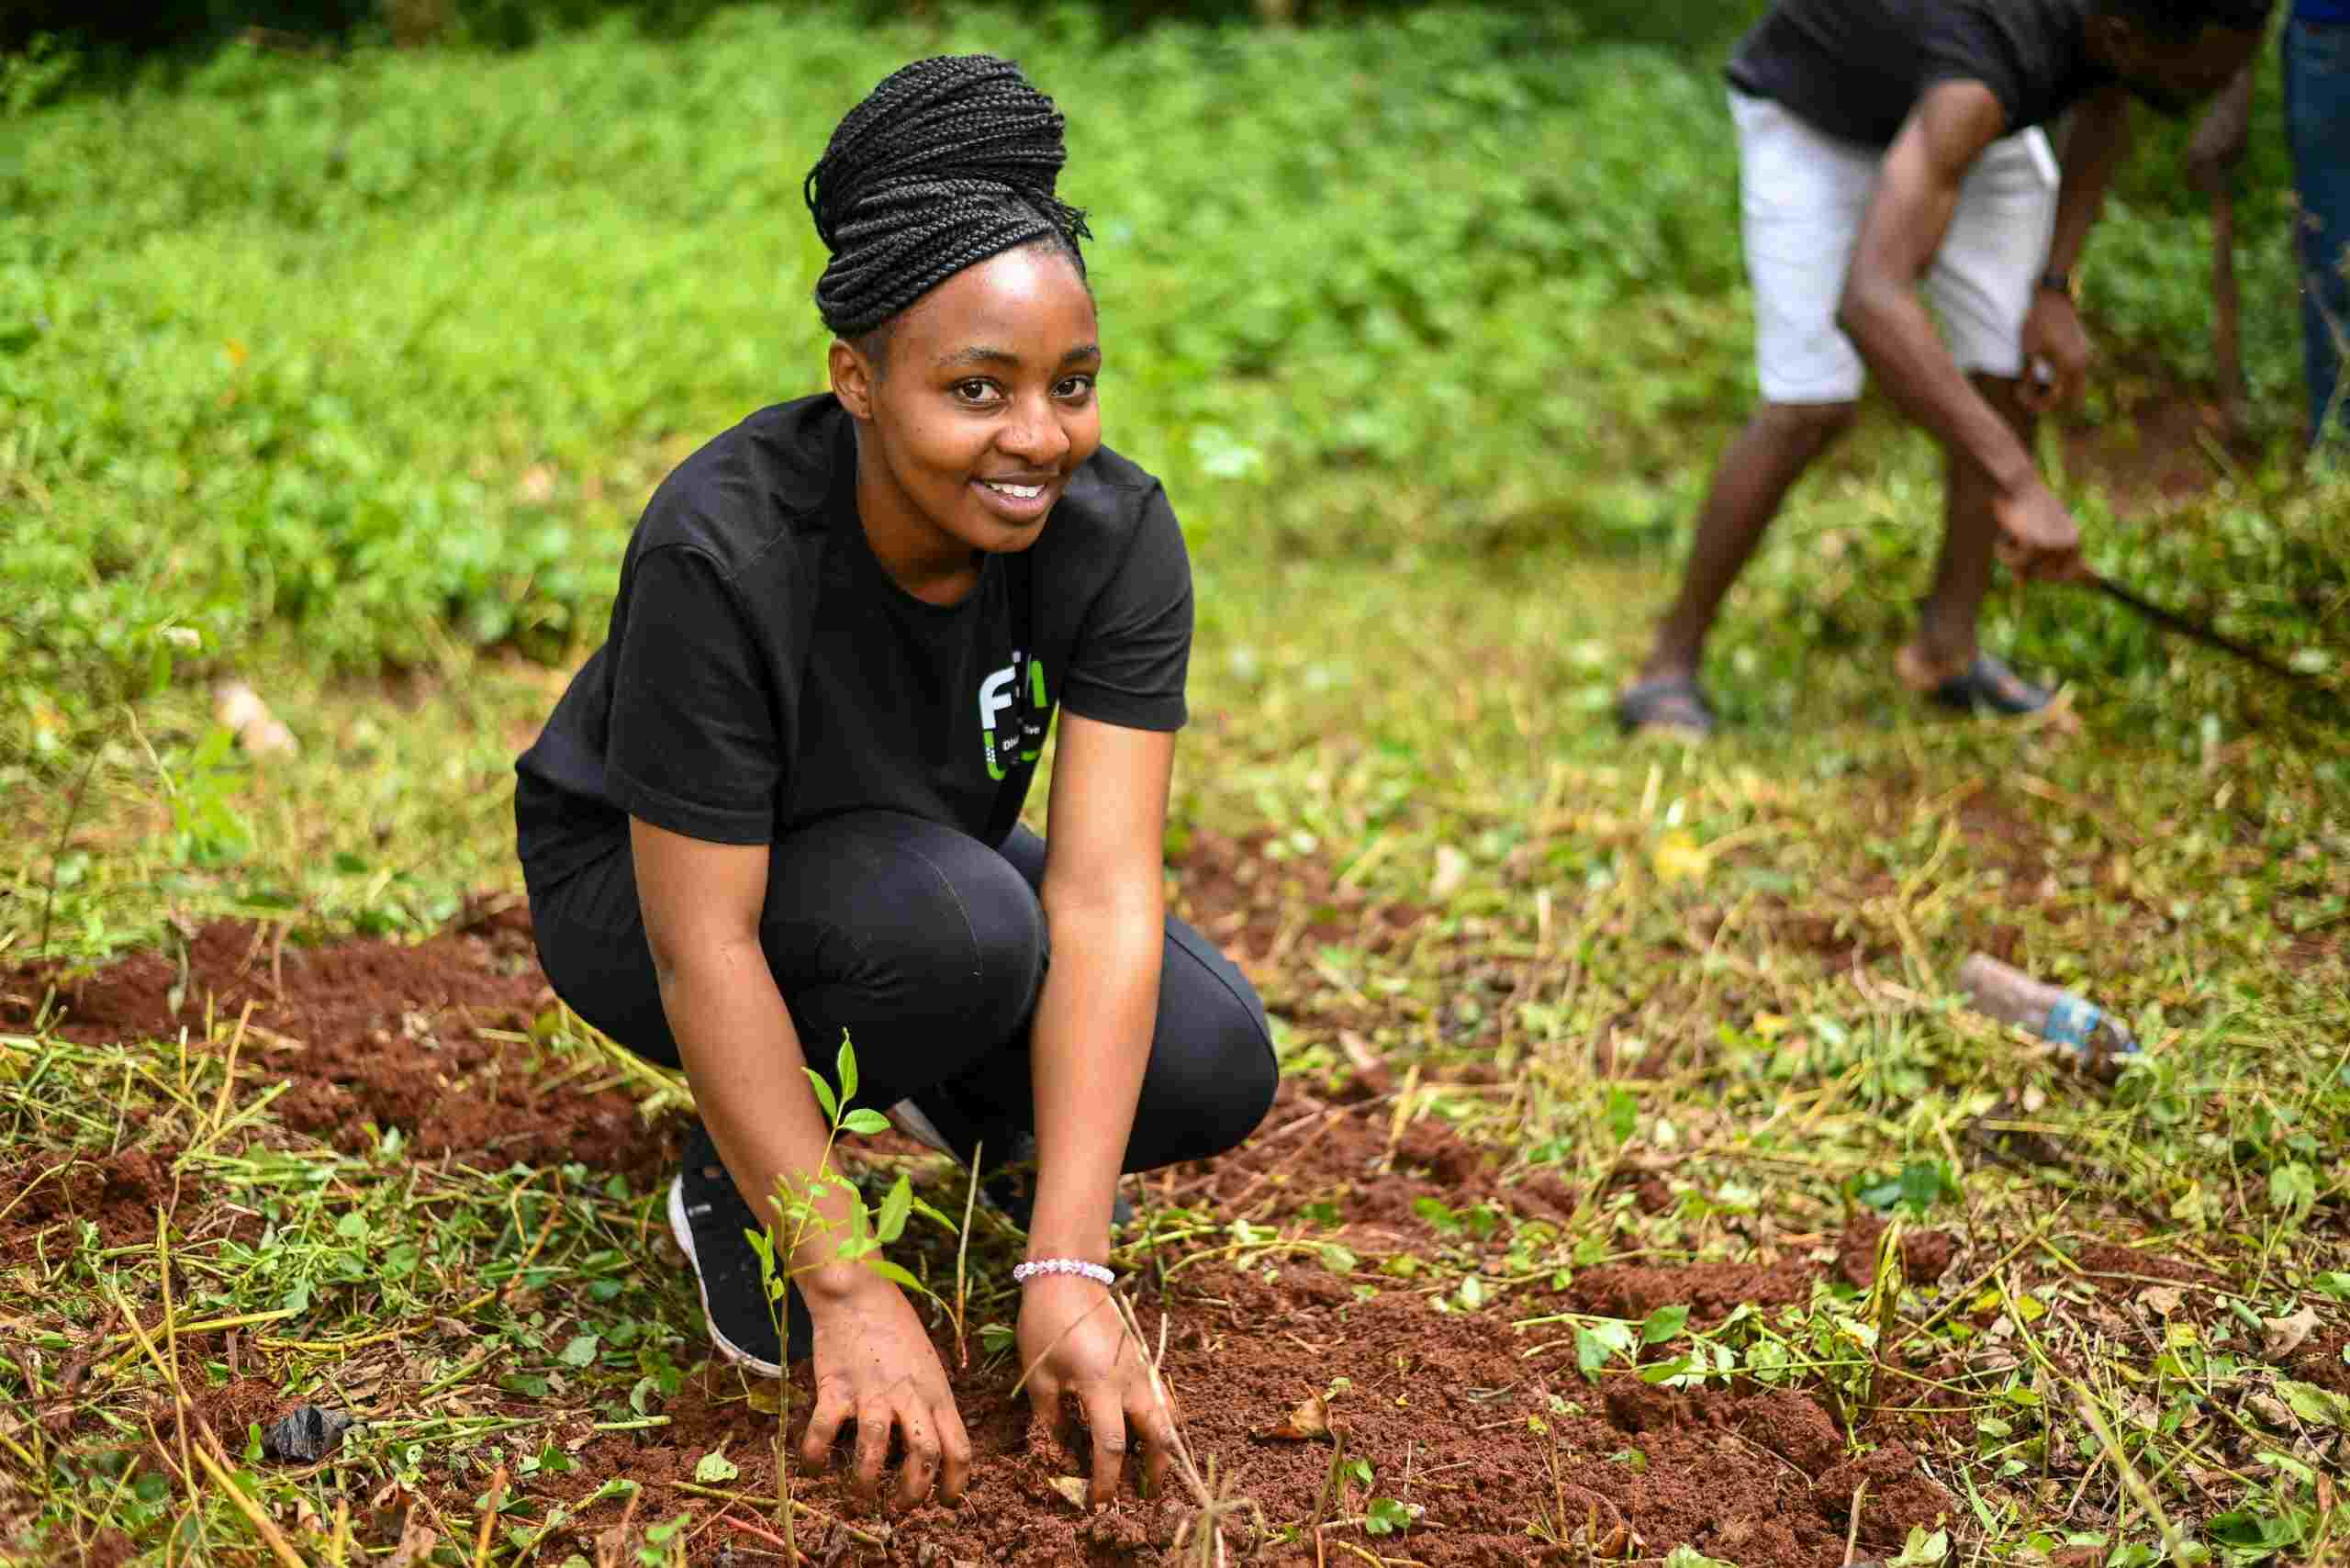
[[1022, 1272]]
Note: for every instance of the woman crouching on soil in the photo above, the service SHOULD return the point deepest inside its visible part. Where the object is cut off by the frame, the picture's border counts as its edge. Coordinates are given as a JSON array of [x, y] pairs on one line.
[[781, 801]]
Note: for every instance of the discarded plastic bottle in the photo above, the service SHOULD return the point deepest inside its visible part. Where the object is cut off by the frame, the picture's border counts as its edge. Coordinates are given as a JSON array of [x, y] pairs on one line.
[[2061, 1017]]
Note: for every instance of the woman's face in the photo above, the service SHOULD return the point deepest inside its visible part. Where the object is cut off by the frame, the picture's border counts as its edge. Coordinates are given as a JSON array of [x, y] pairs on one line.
[[979, 408]]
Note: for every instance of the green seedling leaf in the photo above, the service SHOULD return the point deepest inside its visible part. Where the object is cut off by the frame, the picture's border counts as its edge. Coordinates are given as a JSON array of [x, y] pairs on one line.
[[1634, 1459], [2337, 1285], [1921, 1550], [895, 1275], [1623, 1113], [581, 1350], [891, 1221], [865, 1121], [1336, 1259], [997, 1338], [1600, 1343], [1386, 1517], [1664, 1324], [2292, 1187], [844, 1067], [1437, 1213], [714, 1467], [2319, 1406], [1690, 1557], [831, 1106], [944, 1222]]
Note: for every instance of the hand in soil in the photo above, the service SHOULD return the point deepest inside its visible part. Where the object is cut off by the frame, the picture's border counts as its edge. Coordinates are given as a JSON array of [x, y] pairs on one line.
[[1074, 1343], [876, 1367]]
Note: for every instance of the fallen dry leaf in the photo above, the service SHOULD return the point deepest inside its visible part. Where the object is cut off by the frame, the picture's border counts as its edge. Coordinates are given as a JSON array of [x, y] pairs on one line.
[[416, 1545], [2269, 1408], [2161, 1300], [768, 1399], [1365, 1057], [1073, 1489], [1309, 1423], [1451, 869], [2284, 1335]]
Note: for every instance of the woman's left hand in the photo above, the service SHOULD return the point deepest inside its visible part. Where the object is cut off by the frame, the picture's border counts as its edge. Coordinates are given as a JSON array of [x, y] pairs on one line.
[[1074, 1343]]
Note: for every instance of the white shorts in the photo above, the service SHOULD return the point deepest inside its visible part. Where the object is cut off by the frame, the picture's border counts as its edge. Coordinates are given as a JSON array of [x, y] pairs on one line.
[[1802, 195]]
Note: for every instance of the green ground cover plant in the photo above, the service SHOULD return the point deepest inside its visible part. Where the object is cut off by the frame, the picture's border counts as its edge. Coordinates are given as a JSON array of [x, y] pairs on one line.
[[348, 376], [380, 354]]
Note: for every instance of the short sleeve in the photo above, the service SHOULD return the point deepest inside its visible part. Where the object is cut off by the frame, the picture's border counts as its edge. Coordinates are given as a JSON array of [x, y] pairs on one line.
[[693, 746], [1134, 649], [1962, 42]]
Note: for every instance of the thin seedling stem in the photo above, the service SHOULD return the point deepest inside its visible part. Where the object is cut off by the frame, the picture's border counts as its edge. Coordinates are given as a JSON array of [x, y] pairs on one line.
[[57, 851], [962, 1255]]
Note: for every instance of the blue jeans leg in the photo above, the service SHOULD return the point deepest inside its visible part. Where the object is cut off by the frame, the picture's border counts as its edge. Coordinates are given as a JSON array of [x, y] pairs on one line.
[[2317, 113]]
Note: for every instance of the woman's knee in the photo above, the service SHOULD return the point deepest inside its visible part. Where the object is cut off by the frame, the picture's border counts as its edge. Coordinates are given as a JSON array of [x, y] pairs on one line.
[[920, 921], [1213, 1074], [1249, 1076]]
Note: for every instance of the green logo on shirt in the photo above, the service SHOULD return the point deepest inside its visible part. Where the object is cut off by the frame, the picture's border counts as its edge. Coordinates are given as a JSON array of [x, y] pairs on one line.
[[1023, 736]]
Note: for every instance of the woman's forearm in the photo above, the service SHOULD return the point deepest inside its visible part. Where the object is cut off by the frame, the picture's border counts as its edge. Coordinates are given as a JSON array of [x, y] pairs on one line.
[[1088, 1053], [743, 1059]]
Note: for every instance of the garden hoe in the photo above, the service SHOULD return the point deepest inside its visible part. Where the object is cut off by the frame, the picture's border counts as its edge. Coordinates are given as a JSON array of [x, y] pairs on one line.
[[2197, 631]]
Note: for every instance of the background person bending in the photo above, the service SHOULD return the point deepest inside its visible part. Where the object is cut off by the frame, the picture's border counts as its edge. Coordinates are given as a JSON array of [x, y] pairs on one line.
[[1886, 143], [780, 801]]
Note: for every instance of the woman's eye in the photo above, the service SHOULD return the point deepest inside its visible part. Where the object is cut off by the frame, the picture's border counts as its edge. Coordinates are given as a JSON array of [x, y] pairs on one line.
[[973, 391], [1074, 387]]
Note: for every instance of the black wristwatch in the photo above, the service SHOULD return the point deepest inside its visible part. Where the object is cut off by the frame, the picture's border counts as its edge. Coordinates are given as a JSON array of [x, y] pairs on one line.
[[2057, 282]]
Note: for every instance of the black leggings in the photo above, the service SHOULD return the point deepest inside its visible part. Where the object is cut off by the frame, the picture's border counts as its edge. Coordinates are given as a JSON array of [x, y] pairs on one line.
[[929, 948]]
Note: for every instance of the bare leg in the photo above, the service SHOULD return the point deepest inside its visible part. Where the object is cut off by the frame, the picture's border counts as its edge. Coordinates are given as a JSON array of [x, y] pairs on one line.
[[1945, 645], [1764, 462]]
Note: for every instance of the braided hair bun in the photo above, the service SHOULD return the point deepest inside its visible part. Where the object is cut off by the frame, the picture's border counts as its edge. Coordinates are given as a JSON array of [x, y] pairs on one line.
[[946, 163]]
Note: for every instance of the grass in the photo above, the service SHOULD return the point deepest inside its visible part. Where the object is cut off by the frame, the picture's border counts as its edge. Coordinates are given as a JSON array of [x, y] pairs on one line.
[[387, 374]]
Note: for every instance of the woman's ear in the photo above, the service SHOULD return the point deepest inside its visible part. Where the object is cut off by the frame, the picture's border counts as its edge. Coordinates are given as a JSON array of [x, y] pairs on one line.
[[854, 376]]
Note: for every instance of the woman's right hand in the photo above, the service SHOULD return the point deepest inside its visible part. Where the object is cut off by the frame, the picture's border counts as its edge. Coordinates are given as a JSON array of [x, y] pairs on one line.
[[875, 1366]]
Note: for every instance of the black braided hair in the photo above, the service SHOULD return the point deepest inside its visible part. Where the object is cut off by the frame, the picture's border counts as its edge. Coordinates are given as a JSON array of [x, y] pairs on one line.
[[947, 161], [2187, 18]]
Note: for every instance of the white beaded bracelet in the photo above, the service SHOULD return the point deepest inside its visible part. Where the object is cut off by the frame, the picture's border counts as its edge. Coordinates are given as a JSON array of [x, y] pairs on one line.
[[1023, 1273]]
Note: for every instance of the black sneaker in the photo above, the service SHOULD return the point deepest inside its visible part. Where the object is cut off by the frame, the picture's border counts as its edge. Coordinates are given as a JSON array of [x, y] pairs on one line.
[[713, 1223], [1008, 1183]]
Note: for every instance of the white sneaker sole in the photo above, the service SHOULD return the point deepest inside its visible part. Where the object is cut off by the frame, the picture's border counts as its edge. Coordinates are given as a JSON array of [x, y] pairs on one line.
[[684, 1233]]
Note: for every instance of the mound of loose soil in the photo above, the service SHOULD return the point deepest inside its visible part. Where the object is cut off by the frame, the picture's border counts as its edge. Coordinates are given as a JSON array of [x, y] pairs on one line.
[[370, 1032], [1494, 1433]]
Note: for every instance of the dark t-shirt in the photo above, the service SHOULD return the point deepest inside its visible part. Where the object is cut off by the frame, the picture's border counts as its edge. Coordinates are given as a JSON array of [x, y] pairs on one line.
[[763, 670], [1856, 68]]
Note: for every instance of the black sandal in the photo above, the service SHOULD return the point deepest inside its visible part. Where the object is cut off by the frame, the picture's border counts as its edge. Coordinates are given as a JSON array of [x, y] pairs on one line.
[[1988, 683], [1672, 704]]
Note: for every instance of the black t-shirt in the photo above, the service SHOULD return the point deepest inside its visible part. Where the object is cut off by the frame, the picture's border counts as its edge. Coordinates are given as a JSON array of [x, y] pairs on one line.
[[763, 670], [1856, 68]]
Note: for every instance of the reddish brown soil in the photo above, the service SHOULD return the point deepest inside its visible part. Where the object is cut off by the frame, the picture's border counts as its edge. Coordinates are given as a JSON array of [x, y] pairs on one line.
[[367, 1032], [2158, 451], [1493, 1432], [1925, 1254], [2319, 1361], [119, 1192], [1258, 908]]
